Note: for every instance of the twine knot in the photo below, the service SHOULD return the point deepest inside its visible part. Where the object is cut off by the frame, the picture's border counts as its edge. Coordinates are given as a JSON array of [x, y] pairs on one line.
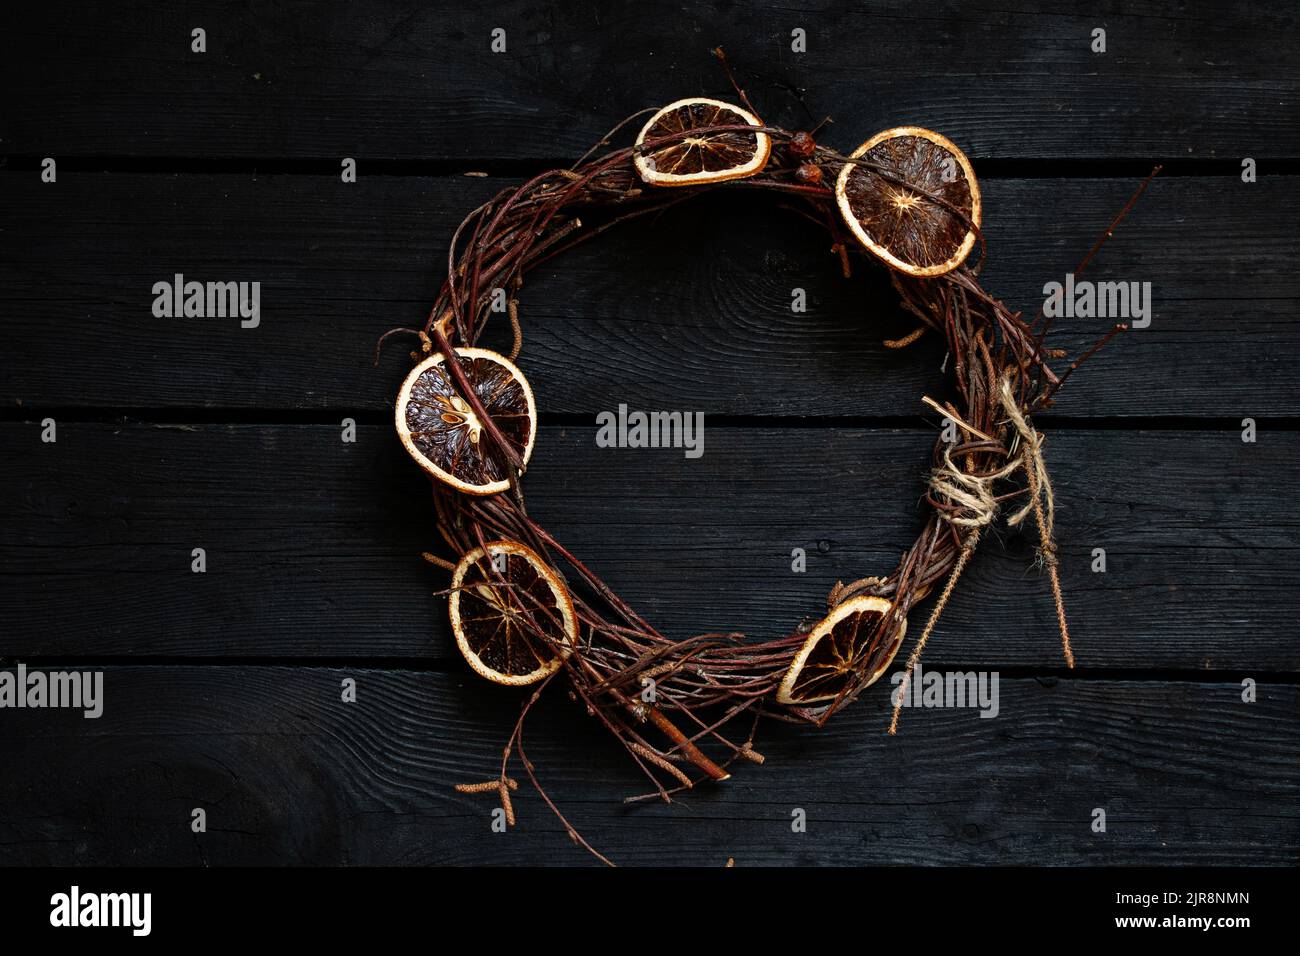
[[966, 500]]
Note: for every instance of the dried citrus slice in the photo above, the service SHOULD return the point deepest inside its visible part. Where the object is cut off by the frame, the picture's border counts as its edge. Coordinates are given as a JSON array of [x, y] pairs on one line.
[[905, 227], [837, 651], [704, 158], [512, 616], [441, 431]]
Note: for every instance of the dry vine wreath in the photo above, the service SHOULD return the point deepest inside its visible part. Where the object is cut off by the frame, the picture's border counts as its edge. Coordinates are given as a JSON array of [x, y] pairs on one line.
[[909, 198]]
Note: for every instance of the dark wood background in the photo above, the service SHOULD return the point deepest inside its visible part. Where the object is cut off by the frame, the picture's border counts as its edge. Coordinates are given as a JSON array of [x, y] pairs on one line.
[[223, 689]]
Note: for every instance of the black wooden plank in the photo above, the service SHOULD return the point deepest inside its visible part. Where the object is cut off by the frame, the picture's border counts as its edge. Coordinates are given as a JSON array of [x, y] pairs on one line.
[[641, 316], [313, 545], [287, 774], [408, 79]]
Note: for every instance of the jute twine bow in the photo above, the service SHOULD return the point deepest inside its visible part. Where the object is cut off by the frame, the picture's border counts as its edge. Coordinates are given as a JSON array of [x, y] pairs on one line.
[[973, 507]]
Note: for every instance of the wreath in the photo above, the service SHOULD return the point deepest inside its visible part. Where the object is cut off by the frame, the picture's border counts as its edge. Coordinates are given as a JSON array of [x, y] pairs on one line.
[[524, 609]]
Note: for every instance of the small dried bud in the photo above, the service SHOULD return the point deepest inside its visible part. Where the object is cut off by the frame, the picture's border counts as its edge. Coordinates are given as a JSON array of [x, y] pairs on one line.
[[802, 145], [808, 174]]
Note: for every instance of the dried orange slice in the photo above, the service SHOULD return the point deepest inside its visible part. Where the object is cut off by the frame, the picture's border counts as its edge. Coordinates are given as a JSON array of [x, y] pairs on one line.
[[906, 228], [837, 650], [512, 616], [706, 158], [441, 431]]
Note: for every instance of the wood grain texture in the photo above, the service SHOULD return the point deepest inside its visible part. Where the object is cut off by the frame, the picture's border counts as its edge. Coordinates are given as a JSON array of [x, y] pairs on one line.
[[223, 689], [411, 80], [287, 774], [313, 545], [641, 316]]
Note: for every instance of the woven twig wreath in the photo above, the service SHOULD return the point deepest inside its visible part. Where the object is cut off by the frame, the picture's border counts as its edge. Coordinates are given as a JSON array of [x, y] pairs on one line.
[[524, 609]]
